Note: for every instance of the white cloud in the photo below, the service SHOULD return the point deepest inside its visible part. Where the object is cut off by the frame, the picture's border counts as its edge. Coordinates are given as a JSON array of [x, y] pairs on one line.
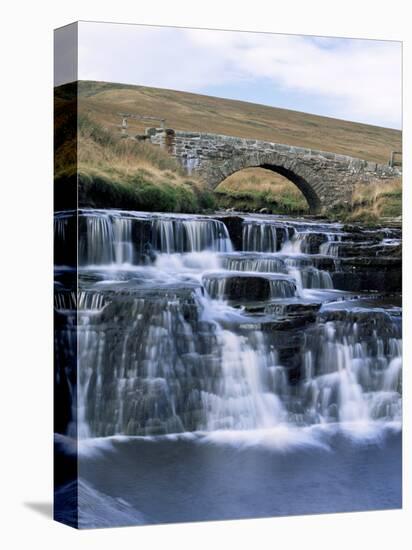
[[355, 79]]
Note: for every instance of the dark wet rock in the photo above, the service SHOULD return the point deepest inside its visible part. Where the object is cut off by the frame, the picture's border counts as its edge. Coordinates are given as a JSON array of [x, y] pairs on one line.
[[65, 239], [368, 282], [368, 263], [313, 241], [350, 249], [271, 317], [369, 322], [376, 233], [142, 240], [276, 318], [293, 308], [394, 250], [324, 263], [65, 279], [358, 237], [154, 302], [245, 288], [234, 227], [366, 274]]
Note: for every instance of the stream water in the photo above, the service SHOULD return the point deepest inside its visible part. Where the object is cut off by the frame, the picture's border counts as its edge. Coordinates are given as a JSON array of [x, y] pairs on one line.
[[227, 366]]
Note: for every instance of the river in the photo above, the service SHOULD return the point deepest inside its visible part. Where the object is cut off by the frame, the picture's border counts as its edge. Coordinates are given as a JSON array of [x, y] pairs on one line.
[[225, 366]]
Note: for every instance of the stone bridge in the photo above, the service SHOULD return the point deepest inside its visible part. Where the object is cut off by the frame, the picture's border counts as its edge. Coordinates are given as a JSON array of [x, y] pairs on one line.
[[325, 179]]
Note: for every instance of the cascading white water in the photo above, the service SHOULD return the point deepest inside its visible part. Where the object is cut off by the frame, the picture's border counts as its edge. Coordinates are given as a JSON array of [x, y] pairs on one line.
[[216, 287], [186, 355], [60, 228], [308, 276], [90, 301], [100, 240], [261, 265], [331, 246], [263, 237], [126, 238], [182, 235], [295, 245], [316, 278], [350, 385], [243, 400], [122, 241]]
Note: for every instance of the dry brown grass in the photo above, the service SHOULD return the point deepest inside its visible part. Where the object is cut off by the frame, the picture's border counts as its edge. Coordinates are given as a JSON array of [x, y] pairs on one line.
[[256, 188], [126, 159], [104, 150], [377, 201], [117, 158], [252, 179], [119, 173]]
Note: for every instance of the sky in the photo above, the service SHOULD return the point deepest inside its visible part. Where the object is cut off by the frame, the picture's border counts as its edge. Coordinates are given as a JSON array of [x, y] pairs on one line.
[[351, 79]]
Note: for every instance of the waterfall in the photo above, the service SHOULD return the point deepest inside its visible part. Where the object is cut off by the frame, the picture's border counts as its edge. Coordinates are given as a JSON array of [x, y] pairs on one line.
[[259, 264], [243, 400], [180, 235], [316, 278], [116, 238], [296, 244], [122, 241], [263, 237], [351, 379], [100, 241], [331, 246], [309, 276], [181, 333]]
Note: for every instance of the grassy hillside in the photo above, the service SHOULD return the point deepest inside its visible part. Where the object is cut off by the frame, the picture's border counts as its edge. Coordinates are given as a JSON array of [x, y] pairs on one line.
[[186, 111]]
